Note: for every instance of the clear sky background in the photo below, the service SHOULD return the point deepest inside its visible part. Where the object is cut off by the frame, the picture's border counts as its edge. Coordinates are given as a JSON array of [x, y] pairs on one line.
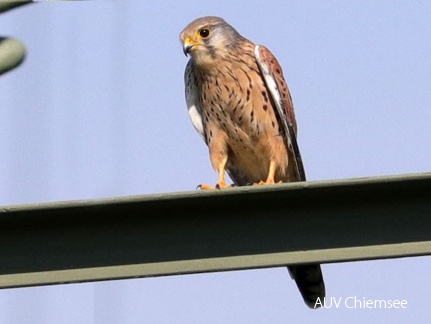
[[98, 110]]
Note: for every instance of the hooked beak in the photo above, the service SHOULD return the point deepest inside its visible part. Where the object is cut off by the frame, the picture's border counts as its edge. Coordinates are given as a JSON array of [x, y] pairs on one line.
[[189, 46]]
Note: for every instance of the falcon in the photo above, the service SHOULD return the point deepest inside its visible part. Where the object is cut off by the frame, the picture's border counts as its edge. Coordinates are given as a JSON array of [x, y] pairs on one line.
[[239, 103]]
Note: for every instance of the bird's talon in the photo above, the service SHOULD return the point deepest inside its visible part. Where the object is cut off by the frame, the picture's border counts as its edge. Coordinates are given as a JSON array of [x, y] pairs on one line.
[[205, 187], [223, 186]]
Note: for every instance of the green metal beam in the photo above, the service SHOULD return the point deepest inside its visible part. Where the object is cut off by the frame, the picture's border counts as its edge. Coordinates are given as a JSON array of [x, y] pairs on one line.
[[8, 5], [200, 231]]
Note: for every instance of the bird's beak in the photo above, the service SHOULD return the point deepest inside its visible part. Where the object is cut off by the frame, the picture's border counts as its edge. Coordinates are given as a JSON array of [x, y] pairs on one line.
[[189, 46]]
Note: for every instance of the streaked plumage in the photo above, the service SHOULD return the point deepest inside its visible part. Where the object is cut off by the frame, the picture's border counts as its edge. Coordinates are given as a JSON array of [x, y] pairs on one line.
[[240, 104]]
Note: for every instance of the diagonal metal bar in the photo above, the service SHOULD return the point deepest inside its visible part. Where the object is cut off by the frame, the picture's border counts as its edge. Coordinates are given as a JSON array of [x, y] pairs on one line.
[[239, 228], [8, 5]]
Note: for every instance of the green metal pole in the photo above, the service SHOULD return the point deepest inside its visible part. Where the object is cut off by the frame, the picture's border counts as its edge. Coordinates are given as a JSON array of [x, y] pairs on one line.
[[12, 54], [8, 5], [215, 230]]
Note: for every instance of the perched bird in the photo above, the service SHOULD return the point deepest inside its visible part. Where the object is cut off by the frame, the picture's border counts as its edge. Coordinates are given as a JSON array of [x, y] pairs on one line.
[[240, 104]]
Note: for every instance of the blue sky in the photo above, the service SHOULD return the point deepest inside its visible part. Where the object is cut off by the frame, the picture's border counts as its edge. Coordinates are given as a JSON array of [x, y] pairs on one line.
[[97, 110]]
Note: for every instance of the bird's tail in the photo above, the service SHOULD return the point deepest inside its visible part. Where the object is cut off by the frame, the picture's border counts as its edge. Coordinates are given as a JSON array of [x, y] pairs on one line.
[[309, 280]]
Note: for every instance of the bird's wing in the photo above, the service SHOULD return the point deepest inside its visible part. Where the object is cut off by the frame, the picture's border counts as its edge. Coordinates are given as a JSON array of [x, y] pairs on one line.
[[277, 87], [308, 277], [193, 105]]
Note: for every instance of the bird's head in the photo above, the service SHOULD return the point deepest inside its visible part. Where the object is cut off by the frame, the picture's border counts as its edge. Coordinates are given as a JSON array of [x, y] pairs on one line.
[[206, 38]]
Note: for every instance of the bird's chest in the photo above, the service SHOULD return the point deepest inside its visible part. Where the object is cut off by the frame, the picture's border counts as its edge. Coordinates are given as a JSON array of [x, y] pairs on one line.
[[238, 117], [237, 106], [227, 109]]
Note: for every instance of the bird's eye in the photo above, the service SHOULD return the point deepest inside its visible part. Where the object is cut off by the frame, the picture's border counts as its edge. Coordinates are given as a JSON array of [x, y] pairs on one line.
[[204, 32]]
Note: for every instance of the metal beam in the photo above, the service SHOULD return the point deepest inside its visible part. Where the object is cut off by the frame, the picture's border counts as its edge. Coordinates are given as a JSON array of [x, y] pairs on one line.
[[200, 231], [8, 5]]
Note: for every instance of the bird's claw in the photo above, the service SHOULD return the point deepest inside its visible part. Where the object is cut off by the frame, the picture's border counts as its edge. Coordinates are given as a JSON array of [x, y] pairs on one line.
[[217, 186], [205, 187]]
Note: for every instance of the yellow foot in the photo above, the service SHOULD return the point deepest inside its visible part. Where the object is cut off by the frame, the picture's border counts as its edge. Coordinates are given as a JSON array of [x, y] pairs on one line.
[[205, 187], [223, 186], [217, 186]]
